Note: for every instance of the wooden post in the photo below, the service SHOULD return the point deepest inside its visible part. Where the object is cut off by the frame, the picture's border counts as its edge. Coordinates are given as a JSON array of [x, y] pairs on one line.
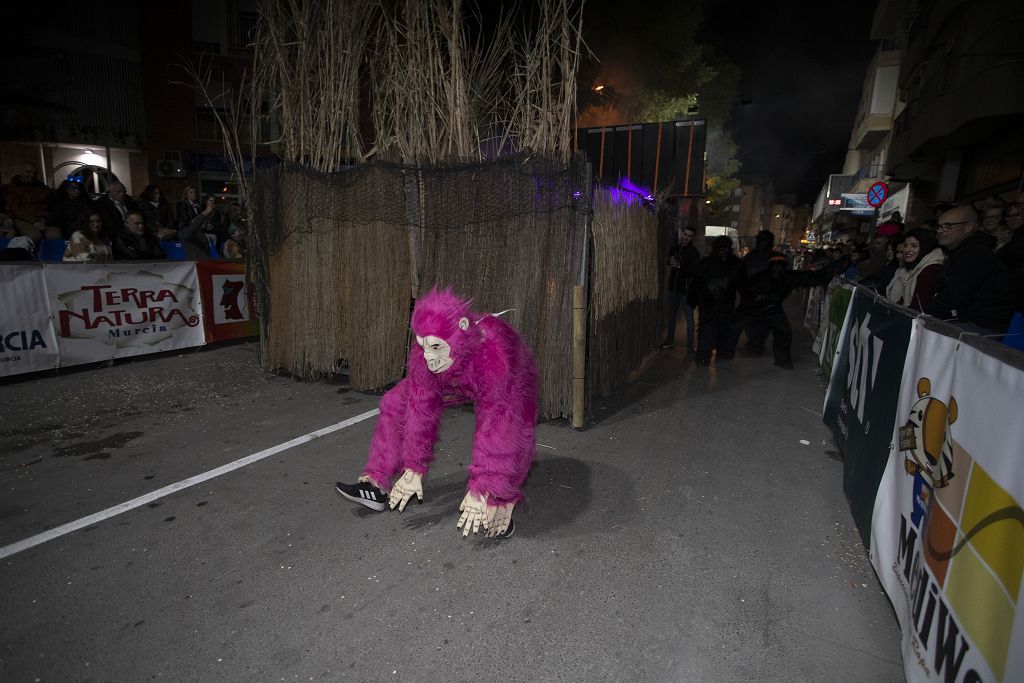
[[578, 354]]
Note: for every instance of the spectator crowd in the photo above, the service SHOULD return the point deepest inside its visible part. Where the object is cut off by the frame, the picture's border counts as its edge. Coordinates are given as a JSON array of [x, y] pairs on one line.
[[113, 226], [966, 266]]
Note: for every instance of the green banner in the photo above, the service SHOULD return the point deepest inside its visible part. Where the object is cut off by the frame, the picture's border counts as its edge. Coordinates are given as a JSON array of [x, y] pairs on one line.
[[838, 303]]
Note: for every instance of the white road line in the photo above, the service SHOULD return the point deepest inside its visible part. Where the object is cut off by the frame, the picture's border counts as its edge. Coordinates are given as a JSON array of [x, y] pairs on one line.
[[56, 532]]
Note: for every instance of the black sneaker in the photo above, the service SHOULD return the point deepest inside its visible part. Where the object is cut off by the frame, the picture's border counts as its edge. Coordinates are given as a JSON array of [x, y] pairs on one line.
[[509, 530], [364, 493]]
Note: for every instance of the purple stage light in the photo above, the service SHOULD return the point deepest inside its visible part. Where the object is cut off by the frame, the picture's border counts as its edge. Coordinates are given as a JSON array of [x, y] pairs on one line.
[[626, 192]]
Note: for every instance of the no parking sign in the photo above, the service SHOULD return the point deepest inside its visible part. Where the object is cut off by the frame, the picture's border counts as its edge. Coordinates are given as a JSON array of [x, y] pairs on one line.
[[877, 194]]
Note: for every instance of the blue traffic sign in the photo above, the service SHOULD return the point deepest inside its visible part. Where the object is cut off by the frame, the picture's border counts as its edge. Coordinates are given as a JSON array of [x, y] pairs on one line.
[[877, 194]]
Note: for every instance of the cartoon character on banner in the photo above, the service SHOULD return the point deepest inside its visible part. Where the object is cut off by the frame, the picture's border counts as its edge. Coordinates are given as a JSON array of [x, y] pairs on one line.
[[926, 436], [460, 357]]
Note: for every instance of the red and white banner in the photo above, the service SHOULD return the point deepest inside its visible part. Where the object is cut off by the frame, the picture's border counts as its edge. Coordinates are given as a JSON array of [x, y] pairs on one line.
[[947, 532], [27, 342], [227, 306], [115, 310]]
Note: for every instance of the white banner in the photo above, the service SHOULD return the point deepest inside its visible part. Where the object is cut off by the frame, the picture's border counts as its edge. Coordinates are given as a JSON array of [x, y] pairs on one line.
[[947, 533], [114, 310], [819, 336], [27, 342]]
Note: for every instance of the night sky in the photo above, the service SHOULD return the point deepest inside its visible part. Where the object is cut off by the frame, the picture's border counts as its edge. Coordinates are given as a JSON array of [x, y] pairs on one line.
[[803, 70]]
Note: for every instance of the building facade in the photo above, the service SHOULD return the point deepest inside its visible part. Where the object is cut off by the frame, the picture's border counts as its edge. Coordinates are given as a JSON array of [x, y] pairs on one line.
[[959, 137], [73, 101], [106, 90]]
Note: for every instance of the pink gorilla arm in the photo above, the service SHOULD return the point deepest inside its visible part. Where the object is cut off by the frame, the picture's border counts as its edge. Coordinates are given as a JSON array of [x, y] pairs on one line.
[[494, 369]]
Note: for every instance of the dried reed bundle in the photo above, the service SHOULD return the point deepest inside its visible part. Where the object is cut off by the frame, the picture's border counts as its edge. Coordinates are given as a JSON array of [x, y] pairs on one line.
[[541, 102], [341, 278], [508, 234], [624, 305], [625, 254], [338, 245], [432, 88], [311, 53]]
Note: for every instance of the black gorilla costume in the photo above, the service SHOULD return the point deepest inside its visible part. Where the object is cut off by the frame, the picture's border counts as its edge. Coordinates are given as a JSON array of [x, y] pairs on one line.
[[761, 312]]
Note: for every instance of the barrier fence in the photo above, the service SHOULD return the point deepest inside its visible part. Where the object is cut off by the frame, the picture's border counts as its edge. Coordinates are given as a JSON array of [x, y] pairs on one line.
[[928, 420], [56, 315]]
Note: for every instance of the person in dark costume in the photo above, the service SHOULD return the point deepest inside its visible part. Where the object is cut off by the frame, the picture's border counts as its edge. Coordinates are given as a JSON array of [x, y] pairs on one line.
[[713, 287], [683, 260], [761, 310]]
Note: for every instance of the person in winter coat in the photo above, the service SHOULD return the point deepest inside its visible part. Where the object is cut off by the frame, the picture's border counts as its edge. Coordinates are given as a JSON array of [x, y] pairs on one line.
[[757, 259], [1013, 253], [682, 261], [158, 213], [881, 279], [857, 253], [194, 236], [713, 288], [67, 207], [919, 276], [975, 291], [188, 208], [877, 259], [761, 312], [27, 199], [114, 207], [135, 242]]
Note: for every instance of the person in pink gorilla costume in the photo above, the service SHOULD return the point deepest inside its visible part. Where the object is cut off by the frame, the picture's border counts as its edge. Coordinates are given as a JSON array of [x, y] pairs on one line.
[[460, 356]]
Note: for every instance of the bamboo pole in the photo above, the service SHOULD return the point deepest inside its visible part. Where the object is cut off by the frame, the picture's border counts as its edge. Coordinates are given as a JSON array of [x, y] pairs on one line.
[[578, 355]]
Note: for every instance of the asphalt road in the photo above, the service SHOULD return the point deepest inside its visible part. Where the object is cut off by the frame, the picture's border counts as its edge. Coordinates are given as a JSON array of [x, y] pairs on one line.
[[687, 534]]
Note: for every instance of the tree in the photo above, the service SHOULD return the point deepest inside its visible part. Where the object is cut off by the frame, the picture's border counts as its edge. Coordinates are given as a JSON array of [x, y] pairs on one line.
[[650, 66]]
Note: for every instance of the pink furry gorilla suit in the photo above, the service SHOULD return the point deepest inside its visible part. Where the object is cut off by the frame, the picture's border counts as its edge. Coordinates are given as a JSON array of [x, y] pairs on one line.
[[492, 367]]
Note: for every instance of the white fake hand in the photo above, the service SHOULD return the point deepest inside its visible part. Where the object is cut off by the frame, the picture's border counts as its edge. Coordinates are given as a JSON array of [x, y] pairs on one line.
[[498, 518], [408, 484], [474, 512]]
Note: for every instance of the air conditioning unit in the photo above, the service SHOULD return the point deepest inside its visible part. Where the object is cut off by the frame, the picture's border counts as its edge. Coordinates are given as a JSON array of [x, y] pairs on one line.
[[170, 169], [171, 166]]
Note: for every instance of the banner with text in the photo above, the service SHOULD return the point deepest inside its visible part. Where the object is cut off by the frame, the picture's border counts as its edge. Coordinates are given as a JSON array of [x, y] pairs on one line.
[[227, 307], [115, 310], [948, 528], [27, 342], [860, 405]]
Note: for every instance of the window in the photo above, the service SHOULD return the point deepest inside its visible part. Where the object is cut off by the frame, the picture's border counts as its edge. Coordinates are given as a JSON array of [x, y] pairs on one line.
[[207, 127], [208, 26], [243, 30], [221, 186]]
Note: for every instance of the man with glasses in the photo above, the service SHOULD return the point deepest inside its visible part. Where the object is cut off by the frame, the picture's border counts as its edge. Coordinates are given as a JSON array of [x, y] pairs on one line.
[[976, 288]]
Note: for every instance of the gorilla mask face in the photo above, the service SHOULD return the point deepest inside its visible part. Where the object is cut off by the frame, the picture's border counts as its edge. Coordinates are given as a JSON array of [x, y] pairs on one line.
[[436, 352]]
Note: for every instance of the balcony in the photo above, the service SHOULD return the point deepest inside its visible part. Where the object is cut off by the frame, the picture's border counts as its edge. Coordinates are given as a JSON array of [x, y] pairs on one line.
[[957, 98], [874, 117]]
